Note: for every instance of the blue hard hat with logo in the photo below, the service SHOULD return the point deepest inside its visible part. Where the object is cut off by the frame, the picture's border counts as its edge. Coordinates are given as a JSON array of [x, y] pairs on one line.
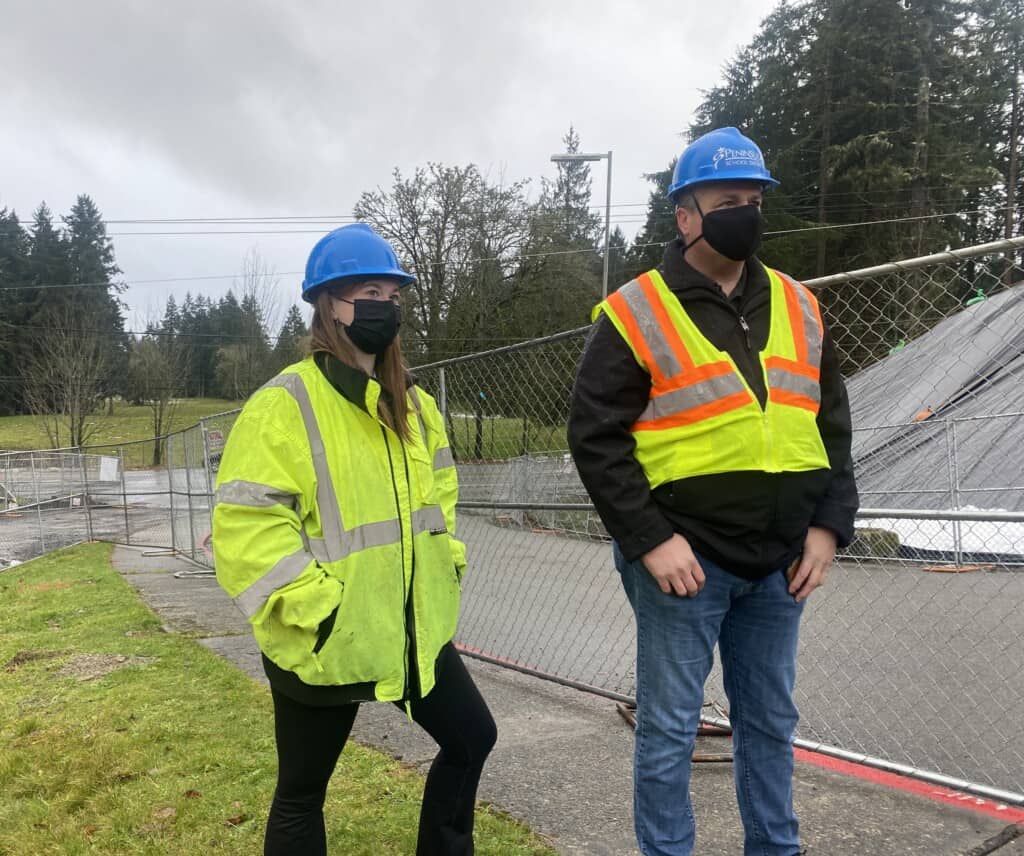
[[720, 155], [351, 252]]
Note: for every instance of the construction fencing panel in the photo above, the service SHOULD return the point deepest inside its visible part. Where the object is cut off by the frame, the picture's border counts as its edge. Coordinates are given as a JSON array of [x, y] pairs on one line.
[[910, 655], [153, 493]]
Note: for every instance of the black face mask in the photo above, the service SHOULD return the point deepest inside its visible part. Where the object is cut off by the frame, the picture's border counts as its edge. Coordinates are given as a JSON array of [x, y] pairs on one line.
[[733, 232], [374, 324]]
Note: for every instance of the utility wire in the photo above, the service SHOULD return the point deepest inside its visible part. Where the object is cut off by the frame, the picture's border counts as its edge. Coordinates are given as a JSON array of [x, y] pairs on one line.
[[517, 256]]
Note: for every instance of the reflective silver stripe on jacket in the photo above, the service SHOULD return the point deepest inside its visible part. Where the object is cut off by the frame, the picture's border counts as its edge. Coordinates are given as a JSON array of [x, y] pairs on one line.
[[812, 328], [796, 383], [291, 567], [415, 396], [326, 498], [253, 494], [442, 457], [689, 397], [633, 293], [285, 571], [429, 518]]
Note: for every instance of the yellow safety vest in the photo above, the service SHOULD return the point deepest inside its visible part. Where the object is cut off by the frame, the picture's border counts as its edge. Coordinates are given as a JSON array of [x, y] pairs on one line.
[[702, 417], [322, 509]]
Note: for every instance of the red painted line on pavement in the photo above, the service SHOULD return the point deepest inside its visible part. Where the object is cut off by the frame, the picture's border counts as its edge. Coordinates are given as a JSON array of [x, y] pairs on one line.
[[938, 793]]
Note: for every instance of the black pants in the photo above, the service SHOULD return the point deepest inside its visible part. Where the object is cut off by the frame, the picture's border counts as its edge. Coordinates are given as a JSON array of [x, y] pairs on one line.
[[310, 739]]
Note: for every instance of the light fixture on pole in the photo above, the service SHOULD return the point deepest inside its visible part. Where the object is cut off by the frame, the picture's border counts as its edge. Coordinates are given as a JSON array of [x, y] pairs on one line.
[[581, 156]]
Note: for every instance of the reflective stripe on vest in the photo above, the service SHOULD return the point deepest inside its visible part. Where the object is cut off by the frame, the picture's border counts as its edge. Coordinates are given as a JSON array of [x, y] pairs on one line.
[[796, 382]]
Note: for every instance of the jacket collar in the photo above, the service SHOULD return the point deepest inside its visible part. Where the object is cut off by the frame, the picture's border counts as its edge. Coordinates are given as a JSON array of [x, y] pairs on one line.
[[680, 275], [352, 384]]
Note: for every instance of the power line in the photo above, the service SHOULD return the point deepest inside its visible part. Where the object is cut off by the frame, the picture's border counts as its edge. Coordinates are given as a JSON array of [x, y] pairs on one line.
[[517, 256]]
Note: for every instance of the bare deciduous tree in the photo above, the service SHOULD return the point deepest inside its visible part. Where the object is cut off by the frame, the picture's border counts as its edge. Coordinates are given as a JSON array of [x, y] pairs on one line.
[[157, 371], [452, 228], [65, 373]]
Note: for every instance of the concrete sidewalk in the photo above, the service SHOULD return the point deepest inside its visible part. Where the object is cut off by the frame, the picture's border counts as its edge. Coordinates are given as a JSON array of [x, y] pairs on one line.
[[563, 759]]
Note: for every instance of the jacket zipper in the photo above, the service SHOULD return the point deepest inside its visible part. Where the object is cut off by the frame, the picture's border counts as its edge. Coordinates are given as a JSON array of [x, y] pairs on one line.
[[746, 332], [410, 606], [405, 591]]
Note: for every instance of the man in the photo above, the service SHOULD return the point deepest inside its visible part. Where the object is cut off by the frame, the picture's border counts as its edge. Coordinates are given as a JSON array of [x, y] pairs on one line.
[[711, 428]]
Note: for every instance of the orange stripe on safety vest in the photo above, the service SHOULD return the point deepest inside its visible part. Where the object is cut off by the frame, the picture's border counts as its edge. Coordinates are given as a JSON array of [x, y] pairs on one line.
[[805, 369], [695, 375], [621, 308], [695, 414], [792, 399], [668, 329]]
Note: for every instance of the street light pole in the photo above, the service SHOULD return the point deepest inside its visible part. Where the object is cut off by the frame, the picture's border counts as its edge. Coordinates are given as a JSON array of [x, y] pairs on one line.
[[596, 156]]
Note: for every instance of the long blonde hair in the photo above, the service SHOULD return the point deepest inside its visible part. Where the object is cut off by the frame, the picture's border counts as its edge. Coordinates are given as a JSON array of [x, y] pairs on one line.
[[389, 367]]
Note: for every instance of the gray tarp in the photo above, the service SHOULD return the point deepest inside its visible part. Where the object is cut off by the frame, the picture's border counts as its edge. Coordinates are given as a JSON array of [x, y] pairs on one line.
[[971, 365]]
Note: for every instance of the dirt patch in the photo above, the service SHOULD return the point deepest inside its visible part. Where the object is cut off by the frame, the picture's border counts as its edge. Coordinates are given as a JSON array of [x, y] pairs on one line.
[[47, 586], [23, 657], [88, 667]]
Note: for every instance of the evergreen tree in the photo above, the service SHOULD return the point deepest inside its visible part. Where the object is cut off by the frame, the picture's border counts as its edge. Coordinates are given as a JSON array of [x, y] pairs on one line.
[[171, 323], [14, 306], [658, 229], [291, 340], [559, 277], [90, 257], [565, 202], [48, 262]]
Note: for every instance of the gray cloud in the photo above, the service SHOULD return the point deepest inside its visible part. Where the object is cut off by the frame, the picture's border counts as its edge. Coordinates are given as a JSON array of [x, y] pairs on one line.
[[227, 108]]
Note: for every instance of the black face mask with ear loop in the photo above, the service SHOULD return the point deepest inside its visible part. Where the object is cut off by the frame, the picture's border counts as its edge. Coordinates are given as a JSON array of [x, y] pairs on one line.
[[733, 232], [374, 324]]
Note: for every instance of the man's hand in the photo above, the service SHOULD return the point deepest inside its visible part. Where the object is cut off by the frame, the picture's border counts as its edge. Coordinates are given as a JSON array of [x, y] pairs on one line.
[[674, 567], [811, 569]]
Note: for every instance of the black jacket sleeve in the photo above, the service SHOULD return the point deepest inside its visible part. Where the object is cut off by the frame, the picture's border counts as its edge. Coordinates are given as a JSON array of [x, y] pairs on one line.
[[610, 392], [837, 508]]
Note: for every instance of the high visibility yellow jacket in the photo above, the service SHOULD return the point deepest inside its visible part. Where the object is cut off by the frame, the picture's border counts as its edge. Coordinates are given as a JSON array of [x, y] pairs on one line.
[[335, 538], [702, 417]]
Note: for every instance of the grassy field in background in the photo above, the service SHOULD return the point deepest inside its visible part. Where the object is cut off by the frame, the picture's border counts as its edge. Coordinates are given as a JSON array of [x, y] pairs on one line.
[[500, 437], [129, 423], [116, 737]]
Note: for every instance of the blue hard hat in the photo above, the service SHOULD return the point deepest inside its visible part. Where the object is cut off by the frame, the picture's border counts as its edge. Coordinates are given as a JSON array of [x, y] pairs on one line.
[[720, 155], [351, 252]]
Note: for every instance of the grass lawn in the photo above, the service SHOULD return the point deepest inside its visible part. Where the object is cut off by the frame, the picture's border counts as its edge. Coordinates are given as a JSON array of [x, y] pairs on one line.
[[128, 423], [499, 437], [118, 738]]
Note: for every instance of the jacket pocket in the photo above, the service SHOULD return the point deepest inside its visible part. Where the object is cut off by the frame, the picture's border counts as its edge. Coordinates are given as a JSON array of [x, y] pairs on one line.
[[326, 628], [423, 471]]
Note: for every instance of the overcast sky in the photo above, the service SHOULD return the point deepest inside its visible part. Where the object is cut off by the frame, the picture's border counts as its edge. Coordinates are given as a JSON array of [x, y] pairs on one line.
[[216, 109]]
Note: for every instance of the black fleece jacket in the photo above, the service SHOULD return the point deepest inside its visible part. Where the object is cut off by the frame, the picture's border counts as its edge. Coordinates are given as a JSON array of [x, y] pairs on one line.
[[749, 522]]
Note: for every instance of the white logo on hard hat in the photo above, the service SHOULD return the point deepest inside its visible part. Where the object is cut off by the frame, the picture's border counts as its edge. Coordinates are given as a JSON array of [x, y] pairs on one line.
[[737, 157]]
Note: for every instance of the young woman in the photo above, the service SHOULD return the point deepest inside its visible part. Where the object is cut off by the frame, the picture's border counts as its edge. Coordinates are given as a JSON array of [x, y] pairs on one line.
[[334, 532]]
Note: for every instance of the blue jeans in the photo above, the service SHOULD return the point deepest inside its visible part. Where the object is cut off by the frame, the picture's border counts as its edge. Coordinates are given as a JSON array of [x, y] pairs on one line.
[[756, 627]]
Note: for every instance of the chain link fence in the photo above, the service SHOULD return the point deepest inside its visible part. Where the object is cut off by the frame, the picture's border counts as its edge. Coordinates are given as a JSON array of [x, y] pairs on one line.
[[910, 656]]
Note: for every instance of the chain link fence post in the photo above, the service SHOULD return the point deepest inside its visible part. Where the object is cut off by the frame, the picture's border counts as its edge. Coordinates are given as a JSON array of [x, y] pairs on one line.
[[124, 496]]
